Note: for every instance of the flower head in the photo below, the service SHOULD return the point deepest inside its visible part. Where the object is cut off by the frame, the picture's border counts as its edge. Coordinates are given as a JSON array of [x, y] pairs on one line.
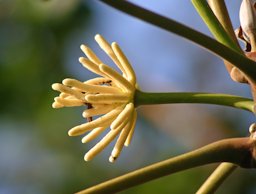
[[109, 95]]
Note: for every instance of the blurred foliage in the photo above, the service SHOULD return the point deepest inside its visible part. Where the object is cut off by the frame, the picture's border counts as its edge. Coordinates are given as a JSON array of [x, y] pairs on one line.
[[32, 39], [32, 35]]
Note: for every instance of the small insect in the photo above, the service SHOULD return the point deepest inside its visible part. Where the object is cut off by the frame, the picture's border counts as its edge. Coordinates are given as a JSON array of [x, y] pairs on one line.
[[107, 83], [89, 106]]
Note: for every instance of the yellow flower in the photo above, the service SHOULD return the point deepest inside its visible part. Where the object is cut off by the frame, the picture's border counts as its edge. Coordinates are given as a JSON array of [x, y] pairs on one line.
[[110, 95]]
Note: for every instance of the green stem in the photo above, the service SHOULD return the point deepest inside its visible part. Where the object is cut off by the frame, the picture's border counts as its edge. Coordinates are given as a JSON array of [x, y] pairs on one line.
[[218, 26], [234, 57], [220, 10], [214, 25], [145, 98], [236, 150], [217, 178]]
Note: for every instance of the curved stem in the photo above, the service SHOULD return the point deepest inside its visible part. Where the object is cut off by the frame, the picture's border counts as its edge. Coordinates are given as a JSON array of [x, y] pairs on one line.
[[236, 150], [216, 178], [145, 98], [236, 58], [214, 25], [220, 10]]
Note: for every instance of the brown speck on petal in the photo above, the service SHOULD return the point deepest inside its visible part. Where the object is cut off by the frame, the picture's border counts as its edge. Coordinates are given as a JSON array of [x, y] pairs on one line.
[[89, 106]]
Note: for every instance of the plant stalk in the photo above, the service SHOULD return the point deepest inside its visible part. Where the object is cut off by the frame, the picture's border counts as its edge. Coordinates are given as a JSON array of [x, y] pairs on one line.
[[146, 98], [216, 178], [214, 25], [220, 10], [235, 150], [233, 56]]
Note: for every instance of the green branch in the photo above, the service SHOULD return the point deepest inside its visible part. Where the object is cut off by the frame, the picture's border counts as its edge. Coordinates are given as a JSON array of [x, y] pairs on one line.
[[217, 178], [218, 21], [145, 98], [220, 10], [214, 25], [234, 57], [237, 150]]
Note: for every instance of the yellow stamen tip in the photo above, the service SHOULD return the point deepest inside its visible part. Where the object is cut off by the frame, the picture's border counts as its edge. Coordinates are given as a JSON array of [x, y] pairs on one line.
[[112, 159], [97, 36], [55, 86], [57, 105], [87, 158], [84, 140], [83, 47], [113, 44], [67, 81], [81, 59], [73, 132]]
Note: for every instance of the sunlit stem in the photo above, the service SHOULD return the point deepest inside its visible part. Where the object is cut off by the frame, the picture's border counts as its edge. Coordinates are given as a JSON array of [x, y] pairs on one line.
[[217, 178], [234, 150], [220, 10], [214, 25], [233, 56], [145, 98]]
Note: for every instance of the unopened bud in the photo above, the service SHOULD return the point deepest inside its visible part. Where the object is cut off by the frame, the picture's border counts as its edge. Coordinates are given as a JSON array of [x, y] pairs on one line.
[[248, 18]]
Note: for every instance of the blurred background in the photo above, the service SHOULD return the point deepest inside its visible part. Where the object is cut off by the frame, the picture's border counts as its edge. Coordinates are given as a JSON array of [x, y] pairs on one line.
[[39, 45]]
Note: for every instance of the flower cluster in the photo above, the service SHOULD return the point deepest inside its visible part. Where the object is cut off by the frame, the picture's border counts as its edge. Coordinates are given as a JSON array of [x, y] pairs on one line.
[[110, 95]]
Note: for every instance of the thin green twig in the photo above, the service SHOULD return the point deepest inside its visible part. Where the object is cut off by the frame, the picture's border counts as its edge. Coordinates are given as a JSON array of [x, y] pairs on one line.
[[217, 19], [217, 177], [236, 150], [235, 57], [214, 25], [220, 10], [146, 98]]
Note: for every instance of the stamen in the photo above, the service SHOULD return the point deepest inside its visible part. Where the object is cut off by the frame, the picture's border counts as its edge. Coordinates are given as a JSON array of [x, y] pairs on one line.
[[133, 121], [80, 129], [101, 145], [105, 46], [69, 102], [120, 80], [57, 105], [121, 125], [91, 66], [72, 98], [93, 134], [63, 95], [107, 98], [67, 90], [125, 63], [120, 142], [90, 54], [121, 117], [90, 88], [98, 81]]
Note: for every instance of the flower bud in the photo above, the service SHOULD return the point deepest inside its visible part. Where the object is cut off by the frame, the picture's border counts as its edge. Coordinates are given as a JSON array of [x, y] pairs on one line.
[[248, 18]]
